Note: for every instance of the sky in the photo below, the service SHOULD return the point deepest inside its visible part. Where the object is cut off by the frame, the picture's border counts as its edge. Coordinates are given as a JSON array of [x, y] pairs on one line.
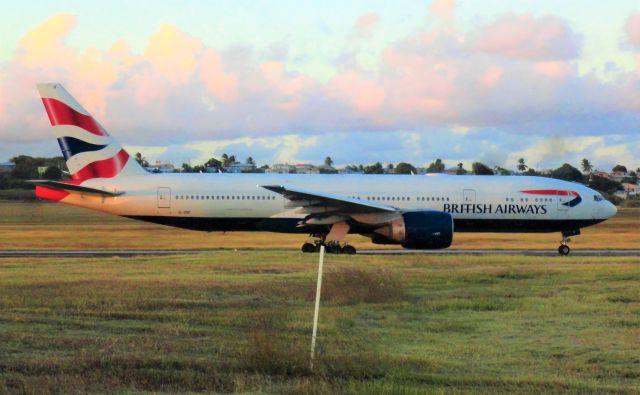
[[360, 81]]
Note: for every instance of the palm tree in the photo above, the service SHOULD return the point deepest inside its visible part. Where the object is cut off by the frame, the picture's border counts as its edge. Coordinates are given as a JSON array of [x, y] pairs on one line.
[[522, 167], [586, 166], [141, 159]]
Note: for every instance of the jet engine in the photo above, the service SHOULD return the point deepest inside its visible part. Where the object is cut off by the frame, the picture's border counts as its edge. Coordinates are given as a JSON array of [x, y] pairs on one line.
[[420, 230]]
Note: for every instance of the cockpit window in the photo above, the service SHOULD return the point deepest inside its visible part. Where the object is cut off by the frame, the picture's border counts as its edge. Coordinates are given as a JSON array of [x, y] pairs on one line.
[[598, 198]]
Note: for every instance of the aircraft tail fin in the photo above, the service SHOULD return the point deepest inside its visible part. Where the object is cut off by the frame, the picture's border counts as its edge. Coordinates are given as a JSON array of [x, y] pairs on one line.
[[86, 146]]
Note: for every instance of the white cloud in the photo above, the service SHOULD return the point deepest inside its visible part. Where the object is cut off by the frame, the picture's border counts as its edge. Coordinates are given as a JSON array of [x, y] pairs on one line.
[[436, 90]]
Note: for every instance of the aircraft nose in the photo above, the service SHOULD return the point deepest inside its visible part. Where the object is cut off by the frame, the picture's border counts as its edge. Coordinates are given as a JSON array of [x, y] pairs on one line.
[[604, 210]]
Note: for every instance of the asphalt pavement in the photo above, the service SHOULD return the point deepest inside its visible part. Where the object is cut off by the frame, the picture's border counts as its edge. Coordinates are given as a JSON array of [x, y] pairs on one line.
[[159, 252]]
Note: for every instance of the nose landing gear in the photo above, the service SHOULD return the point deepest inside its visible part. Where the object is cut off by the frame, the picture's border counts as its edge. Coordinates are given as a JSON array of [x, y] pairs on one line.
[[564, 244], [564, 249]]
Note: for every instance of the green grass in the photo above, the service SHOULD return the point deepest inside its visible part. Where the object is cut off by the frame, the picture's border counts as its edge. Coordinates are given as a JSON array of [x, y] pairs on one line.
[[241, 322]]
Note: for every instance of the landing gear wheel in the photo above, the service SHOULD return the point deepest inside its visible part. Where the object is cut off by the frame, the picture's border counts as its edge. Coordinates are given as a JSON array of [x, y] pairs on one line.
[[349, 250], [564, 250], [308, 248], [333, 247], [564, 247]]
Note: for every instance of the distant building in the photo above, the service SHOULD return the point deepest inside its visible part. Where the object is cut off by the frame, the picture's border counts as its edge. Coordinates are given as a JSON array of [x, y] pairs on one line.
[[349, 171], [7, 167], [452, 171], [602, 174], [631, 189], [240, 168], [618, 176], [281, 168], [42, 170], [306, 168]]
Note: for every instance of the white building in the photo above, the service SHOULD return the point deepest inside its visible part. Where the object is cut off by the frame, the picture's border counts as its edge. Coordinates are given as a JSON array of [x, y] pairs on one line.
[[281, 168], [618, 176], [240, 168], [630, 190], [306, 168]]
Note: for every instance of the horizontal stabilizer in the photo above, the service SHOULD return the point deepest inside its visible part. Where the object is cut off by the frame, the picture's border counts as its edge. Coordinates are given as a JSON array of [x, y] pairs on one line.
[[74, 188]]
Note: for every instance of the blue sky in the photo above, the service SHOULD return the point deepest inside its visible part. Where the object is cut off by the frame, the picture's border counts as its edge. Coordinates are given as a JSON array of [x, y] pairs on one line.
[[363, 81]]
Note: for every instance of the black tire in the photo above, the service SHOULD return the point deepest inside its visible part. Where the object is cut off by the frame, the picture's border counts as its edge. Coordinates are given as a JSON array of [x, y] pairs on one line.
[[308, 248], [564, 250], [334, 249], [349, 250]]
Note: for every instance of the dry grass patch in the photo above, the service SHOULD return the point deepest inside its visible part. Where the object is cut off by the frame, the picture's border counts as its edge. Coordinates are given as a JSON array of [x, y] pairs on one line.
[[351, 286]]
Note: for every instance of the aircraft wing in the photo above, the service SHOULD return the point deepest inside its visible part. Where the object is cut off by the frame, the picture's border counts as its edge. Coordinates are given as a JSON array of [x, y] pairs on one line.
[[74, 188], [321, 208], [305, 198]]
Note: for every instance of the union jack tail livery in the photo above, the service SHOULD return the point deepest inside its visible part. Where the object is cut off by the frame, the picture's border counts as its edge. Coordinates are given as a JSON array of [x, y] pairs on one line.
[[88, 149]]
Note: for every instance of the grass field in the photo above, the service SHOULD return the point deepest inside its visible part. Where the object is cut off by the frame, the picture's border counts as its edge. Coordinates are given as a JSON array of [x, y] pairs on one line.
[[241, 322], [57, 226]]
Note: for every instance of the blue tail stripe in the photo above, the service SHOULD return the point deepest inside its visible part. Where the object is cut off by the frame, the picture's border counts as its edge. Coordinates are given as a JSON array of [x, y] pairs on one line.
[[71, 146], [573, 202]]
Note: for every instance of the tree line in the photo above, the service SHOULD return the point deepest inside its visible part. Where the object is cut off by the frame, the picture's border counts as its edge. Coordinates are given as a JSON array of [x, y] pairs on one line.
[[26, 168]]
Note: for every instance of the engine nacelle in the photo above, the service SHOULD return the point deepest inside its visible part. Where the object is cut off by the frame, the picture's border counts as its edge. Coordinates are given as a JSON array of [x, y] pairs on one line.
[[420, 230]]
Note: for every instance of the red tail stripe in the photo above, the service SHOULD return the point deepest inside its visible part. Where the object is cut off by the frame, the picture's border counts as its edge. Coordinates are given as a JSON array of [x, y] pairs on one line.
[[551, 192], [61, 114], [106, 168], [54, 194], [50, 194]]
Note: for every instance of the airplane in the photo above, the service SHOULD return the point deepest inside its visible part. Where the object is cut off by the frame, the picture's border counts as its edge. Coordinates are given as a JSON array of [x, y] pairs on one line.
[[413, 211]]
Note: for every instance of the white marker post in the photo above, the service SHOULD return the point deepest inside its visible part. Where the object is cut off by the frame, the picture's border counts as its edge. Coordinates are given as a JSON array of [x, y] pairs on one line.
[[315, 314]]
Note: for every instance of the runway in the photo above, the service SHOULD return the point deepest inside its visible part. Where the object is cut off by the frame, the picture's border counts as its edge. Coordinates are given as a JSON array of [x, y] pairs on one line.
[[550, 252], [129, 253]]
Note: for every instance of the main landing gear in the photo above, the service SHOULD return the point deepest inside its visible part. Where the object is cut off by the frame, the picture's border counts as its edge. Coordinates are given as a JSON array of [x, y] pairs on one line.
[[331, 247], [331, 241], [564, 244]]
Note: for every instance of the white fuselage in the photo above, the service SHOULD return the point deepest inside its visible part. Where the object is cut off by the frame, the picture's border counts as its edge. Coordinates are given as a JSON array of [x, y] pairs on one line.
[[477, 203]]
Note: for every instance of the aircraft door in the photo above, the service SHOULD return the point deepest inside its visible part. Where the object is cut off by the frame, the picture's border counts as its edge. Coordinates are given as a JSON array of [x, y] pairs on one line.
[[563, 197], [469, 196], [164, 197]]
